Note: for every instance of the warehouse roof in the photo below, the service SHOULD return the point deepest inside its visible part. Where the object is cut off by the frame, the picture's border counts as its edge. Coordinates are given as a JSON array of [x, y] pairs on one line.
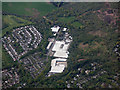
[[57, 68], [60, 46], [60, 49], [61, 54], [55, 28], [49, 45], [64, 29]]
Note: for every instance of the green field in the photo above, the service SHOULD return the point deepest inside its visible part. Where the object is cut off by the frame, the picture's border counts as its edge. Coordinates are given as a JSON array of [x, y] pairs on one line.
[[70, 20], [28, 8], [10, 21], [77, 24], [66, 19]]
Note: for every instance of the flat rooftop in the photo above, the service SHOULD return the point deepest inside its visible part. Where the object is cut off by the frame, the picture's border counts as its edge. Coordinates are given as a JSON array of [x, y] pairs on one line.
[[55, 28], [61, 54], [60, 49], [60, 46], [57, 67]]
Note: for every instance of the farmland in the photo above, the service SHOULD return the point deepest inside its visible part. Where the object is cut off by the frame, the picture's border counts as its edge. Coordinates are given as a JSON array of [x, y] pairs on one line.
[[11, 21], [66, 19], [28, 8]]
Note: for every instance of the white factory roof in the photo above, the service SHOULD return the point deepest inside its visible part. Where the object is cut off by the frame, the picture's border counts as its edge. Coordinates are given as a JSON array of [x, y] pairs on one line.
[[57, 46], [68, 40], [57, 68], [61, 49], [55, 28], [61, 54], [49, 45], [64, 29], [53, 62]]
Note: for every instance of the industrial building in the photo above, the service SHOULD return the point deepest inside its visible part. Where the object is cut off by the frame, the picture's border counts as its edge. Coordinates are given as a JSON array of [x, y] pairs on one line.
[[55, 29], [59, 49], [58, 65]]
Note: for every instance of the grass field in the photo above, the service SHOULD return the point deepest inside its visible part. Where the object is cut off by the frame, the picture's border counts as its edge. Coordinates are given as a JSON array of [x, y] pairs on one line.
[[70, 20], [77, 24], [66, 19], [10, 21], [28, 8]]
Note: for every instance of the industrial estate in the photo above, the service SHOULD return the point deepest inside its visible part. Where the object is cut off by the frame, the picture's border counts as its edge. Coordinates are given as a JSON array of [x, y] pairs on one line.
[[28, 38], [58, 48]]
